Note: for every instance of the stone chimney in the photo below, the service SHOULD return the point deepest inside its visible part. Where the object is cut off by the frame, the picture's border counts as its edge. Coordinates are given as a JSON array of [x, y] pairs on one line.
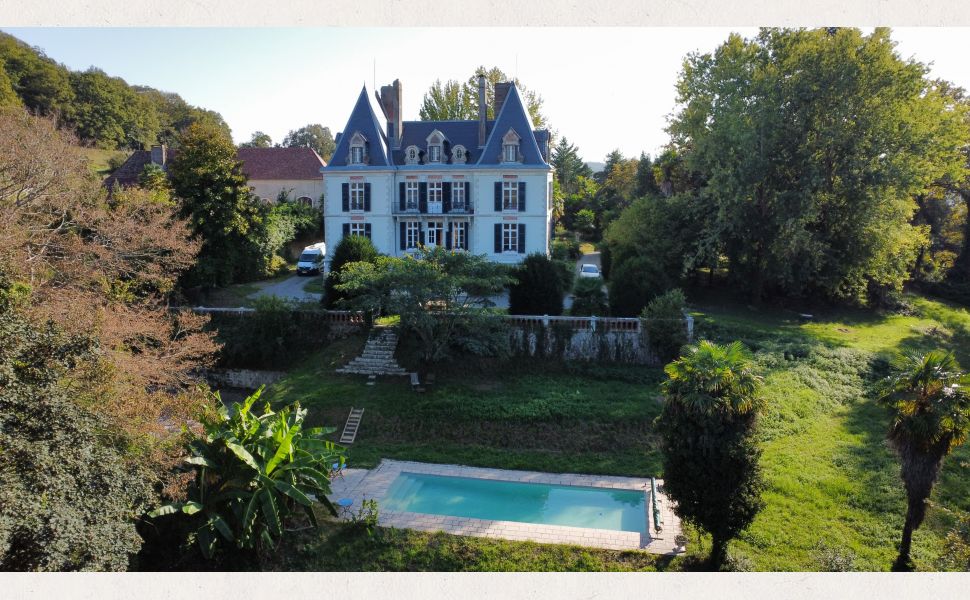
[[501, 93], [159, 155], [391, 98], [482, 111]]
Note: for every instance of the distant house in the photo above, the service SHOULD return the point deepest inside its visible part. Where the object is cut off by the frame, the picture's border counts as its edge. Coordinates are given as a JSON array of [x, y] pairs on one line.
[[270, 171], [482, 186]]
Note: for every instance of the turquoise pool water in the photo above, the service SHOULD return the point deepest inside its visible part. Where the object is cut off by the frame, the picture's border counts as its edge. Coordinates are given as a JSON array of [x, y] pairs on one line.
[[574, 506]]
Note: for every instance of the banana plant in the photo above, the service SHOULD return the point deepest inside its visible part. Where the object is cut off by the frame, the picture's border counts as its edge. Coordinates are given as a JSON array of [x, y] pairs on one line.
[[252, 473]]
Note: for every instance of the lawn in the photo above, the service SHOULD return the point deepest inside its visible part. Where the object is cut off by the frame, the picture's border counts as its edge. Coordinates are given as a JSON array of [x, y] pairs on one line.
[[832, 480]]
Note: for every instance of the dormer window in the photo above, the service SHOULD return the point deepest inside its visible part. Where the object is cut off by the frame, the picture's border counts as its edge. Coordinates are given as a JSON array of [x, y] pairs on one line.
[[459, 155], [435, 142], [510, 147], [411, 155], [357, 145]]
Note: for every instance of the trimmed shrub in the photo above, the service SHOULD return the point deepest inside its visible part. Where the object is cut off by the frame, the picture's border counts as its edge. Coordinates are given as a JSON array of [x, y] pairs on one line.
[[353, 248], [566, 269], [663, 322], [635, 282], [537, 287], [589, 298]]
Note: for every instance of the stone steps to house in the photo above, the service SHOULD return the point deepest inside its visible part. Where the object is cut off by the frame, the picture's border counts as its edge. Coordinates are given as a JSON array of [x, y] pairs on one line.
[[377, 357], [350, 428]]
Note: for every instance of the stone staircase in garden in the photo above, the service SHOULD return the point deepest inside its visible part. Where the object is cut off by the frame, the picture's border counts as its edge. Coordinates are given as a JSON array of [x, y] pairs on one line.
[[377, 357]]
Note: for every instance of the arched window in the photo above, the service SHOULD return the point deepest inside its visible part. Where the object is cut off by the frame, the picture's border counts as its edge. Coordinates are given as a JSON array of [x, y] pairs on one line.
[[459, 155], [435, 146], [305, 200], [510, 147], [358, 145]]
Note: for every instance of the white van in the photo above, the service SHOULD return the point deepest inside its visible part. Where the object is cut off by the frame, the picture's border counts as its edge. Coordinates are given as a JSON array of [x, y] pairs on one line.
[[311, 259]]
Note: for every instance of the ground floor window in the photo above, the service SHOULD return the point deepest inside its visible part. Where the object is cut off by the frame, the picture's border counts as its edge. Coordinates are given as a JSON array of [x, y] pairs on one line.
[[305, 201], [459, 236], [435, 233], [358, 229], [510, 237], [412, 234]]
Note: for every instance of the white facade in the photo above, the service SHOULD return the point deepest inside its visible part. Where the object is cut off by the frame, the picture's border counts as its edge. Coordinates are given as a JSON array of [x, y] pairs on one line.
[[382, 216]]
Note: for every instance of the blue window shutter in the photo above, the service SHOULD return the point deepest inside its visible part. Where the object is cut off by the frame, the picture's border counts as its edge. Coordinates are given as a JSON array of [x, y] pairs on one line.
[[521, 196], [421, 234], [366, 197], [345, 197], [346, 228], [423, 197], [367, 230], [448, 237], [402, 195], [498, 238], [498, 196], [468, 197], [404, 234], [521, 238], [446, 196]]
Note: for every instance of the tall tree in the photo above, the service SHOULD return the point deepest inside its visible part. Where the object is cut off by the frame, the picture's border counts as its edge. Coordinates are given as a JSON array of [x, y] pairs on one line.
[[455, 100], [439, 295], [258, 140], [314, 136], [569, 166], [108, 113], [931, 416], [812, 144], [449, 101], [710, 458], [214, 196], [8, 97], [42, 84], [646, 178]]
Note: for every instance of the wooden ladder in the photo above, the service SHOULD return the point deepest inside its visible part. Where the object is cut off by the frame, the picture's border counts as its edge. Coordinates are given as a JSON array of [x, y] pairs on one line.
[[350, 429]]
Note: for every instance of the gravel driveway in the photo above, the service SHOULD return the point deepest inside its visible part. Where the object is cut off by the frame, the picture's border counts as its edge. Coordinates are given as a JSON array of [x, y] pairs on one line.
[[290, 288]]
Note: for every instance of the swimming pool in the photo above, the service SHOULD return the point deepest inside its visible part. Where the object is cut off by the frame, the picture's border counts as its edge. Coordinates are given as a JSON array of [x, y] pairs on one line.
[[573, 506]]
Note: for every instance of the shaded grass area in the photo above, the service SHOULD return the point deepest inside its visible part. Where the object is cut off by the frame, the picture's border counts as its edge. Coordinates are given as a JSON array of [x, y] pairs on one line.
[[346, 548], [831, 477], [547, 420]]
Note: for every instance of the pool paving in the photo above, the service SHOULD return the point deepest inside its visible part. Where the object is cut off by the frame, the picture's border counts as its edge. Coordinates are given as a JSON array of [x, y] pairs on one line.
[[361, 484]]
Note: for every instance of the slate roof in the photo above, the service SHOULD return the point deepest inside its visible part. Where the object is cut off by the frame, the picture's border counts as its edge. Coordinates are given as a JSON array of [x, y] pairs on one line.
[[280, 163], [364, 120], [127, 174], [513, 115], [463, 133], [258, 164]]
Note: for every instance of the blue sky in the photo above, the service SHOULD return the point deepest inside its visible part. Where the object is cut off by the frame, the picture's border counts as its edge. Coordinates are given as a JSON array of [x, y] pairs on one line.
[[603, 88]]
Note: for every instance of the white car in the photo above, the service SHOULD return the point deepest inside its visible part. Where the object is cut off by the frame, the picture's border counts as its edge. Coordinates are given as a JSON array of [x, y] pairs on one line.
[[589, 270]]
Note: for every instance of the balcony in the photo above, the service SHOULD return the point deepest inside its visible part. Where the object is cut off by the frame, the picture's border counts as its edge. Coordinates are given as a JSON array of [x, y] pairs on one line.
[[433, 208]]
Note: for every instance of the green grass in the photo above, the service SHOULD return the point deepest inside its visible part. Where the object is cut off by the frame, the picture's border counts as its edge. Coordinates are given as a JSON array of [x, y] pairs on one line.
[[98, 159], [555, 421], [831, 476], [345, 548]]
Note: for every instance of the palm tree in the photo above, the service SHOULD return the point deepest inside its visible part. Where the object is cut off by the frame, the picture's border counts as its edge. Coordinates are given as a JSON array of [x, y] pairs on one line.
[[931, 407], [709, 455]]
